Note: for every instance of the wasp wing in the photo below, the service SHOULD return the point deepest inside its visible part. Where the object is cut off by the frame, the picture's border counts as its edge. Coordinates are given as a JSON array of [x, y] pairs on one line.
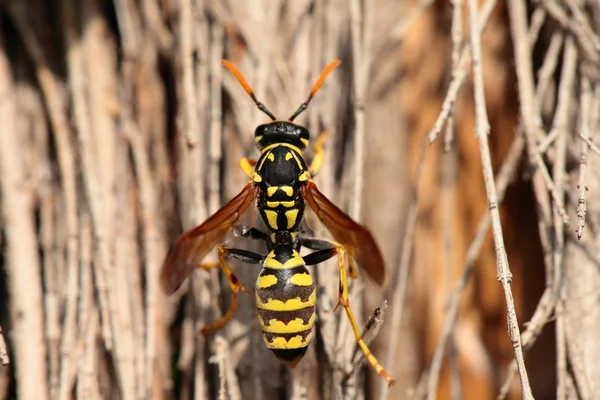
[[192, 246], [356, 238]]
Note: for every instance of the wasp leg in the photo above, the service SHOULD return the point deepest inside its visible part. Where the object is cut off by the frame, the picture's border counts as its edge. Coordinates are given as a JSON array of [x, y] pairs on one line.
[[344, 301], [247, 165], [317, 161], [318, 244], [234, 284], [255, 234]]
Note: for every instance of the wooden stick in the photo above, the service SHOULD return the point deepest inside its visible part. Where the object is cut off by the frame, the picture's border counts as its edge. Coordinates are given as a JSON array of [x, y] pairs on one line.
[[482, 132], [22, 264]]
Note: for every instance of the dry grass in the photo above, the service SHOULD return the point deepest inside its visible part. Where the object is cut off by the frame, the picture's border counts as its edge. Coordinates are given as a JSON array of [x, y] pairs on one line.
[[121, 129]]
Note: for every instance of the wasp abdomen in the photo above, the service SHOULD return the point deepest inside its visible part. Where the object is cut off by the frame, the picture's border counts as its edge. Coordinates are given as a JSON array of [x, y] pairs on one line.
[[285, 298]]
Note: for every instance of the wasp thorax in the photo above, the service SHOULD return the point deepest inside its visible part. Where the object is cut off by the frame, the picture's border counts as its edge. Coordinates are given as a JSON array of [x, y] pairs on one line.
[[281, 131]]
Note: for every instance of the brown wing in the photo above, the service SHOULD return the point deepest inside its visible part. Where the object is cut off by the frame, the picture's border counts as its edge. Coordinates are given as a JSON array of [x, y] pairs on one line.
[[192, 246], [355, 237]]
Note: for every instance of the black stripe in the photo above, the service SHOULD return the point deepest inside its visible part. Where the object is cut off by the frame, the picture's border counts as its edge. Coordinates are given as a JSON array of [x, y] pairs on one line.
[[287, 336], [286, 316]]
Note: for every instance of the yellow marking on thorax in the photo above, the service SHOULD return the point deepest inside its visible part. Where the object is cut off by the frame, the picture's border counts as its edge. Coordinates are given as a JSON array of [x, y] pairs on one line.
[[288, 156], [289, 191], [286, 204], [291, 216], [297, 160], [272, 218], [295, 325], [294, 342], [304, 176], [302, 279], [256, 177], [266, 281], [271, 157], [264, 159], [288, 305], [305, 141], [295, 261], [291, 146]]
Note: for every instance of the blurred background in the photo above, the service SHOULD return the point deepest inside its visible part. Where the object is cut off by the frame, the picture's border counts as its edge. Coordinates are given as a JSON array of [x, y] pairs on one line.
[[121, 129]]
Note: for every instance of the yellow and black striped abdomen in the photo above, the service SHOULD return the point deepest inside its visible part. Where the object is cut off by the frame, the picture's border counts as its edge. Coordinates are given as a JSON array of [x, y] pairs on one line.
[[285, 298]]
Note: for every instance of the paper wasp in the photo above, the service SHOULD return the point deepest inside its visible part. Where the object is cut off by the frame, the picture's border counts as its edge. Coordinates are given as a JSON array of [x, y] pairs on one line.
[[281, 184]]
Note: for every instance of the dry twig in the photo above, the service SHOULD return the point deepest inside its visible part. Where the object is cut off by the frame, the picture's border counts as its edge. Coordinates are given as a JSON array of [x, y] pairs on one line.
[[4, 359], [482, 131]]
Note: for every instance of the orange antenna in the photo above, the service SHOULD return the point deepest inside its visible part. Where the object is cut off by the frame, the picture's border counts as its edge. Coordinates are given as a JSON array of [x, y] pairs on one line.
[[236, 72], [315, 87]]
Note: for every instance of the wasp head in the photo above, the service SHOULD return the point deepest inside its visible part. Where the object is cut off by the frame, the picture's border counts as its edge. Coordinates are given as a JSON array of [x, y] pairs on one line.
[[281, 131]]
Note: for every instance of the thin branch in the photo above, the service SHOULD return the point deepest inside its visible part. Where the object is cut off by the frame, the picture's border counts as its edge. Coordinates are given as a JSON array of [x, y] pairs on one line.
[[586, 144], [561, 123], [586, 38], [459, 73], [21, 261], [505, 177], [482, 131], [228, 386], [4, 358]]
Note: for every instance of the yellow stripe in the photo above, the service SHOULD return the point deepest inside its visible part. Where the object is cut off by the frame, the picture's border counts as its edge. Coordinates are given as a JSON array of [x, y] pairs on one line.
[[272, 218], [297, 160], [302, 279], [294, 342], [291, 217], [263, 161], [271, 190], [287, 204], [295, 325], [272, 204], [266, 281], [305, 141], [291, 146], [259, 138], [288, 305]]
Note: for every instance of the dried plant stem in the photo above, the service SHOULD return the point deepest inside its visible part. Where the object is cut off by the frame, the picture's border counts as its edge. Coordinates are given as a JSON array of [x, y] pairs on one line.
[[401, 282], [22, 264], [586, 144], [228, 387], [193, 184], [4, 359], [505, 176], [561, 124], [482, 131], [459, 73], [92, 183]]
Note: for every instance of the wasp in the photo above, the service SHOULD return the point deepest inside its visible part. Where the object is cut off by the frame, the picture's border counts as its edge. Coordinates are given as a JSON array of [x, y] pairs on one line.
[[281, 185]]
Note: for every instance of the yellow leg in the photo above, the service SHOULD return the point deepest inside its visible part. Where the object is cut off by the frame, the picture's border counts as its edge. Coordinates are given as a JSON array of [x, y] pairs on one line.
[[317, 161], [247, 165], [234, 285], [345, 302]]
